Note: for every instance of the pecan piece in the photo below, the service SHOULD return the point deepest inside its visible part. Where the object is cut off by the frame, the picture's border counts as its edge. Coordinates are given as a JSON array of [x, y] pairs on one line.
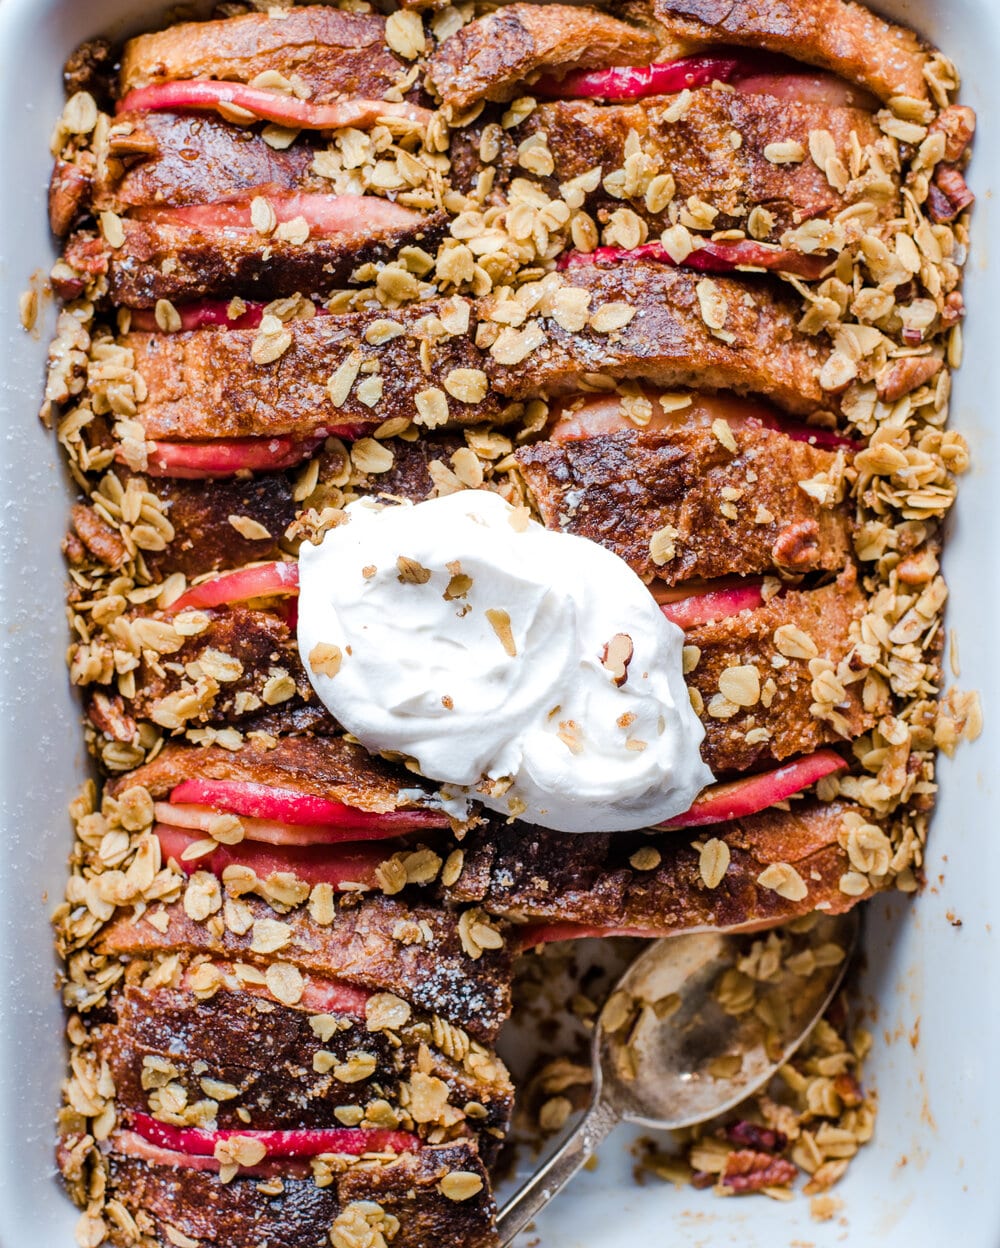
[[69, 188], [617, 656], [797, 546], [98, 536], [903, 376], [749, 1171], [948, 195], [957, 123], [108, 716], [753, 1136], [845, 1084]]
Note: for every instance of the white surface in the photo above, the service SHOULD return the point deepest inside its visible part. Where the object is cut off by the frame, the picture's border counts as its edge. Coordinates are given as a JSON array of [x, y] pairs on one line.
[[931, 1176]]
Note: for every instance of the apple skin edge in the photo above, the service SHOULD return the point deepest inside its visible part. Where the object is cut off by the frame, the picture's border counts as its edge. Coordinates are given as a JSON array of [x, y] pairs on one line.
[[261, 580], [319, 995], [352, 1141], [186, 95], [340, 867], [709, 257], [264, 801], [751, 794], [635, 82]]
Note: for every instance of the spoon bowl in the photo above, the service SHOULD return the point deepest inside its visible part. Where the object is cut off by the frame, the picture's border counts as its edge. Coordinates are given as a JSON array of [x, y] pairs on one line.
[[695, 1025]]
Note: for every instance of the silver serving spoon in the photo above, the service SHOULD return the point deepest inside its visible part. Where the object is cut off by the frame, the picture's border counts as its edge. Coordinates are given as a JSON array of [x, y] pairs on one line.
[[662, 1031]]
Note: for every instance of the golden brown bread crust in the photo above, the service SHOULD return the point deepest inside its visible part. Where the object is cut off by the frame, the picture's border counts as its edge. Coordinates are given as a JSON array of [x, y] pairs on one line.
[[491, 57], [261, 641], [335, 54], [204, 540], [179, 262], [197, 158], [266, 1050], [696, 148], [331, 767], [668, 343], [544, 877], [436, 975], [838, 35], [621, 488], [204, 384], [830, 617], [225, 1215]]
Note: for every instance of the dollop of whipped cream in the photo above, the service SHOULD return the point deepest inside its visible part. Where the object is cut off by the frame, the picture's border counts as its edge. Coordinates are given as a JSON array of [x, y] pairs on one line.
[[529, 669]]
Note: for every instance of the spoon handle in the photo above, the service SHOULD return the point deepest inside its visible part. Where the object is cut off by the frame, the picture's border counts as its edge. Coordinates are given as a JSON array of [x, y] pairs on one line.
[[600, 1119]]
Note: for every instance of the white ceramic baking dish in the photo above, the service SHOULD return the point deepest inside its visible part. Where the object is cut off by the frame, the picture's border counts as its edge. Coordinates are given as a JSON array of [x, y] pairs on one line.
[[933, 974]]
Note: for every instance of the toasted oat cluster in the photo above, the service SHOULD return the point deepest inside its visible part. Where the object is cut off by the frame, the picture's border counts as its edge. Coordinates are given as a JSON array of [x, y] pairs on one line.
[[686, 287]]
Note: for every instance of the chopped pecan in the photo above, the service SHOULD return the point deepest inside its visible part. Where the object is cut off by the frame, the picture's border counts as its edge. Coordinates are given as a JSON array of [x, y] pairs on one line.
[[957, 123], [954, 309], [107, 714], [901, 377], [948, 195], [69, 187], [74, 550], [845, 1084], [797, 546], [918, 568], [617, 656], [754, 1136], [98, 536], [90, 68], [749, 1171]]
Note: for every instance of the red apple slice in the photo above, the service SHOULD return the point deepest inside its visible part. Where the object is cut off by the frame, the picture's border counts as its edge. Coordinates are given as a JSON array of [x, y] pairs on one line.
[[313, 864], [326, 215], [262, 580], [545, 933], [596, 415], [350, 1141], [265, 801], [224, 457], [132, 1144], [716, 604], [319, 996], [635, 82], [273, 832], [709, 257], [749, 72], [205, 312], [200, 95], [751, 794]]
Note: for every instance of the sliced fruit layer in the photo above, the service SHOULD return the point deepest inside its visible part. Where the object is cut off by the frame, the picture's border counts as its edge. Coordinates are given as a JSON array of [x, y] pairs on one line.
[[751, 794], [708, 257], [195, 461], [579, 418], [230, 313], [264, 801], [274, 832], [686, 608], [236, 100], [349, 1141], [263, 580], [345, 870], [546, 933], [319, 995], [747, 71], [325, 215]]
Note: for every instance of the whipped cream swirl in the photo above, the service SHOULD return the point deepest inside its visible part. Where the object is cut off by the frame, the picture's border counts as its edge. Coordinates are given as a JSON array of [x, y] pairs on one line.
[[529, 669]]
